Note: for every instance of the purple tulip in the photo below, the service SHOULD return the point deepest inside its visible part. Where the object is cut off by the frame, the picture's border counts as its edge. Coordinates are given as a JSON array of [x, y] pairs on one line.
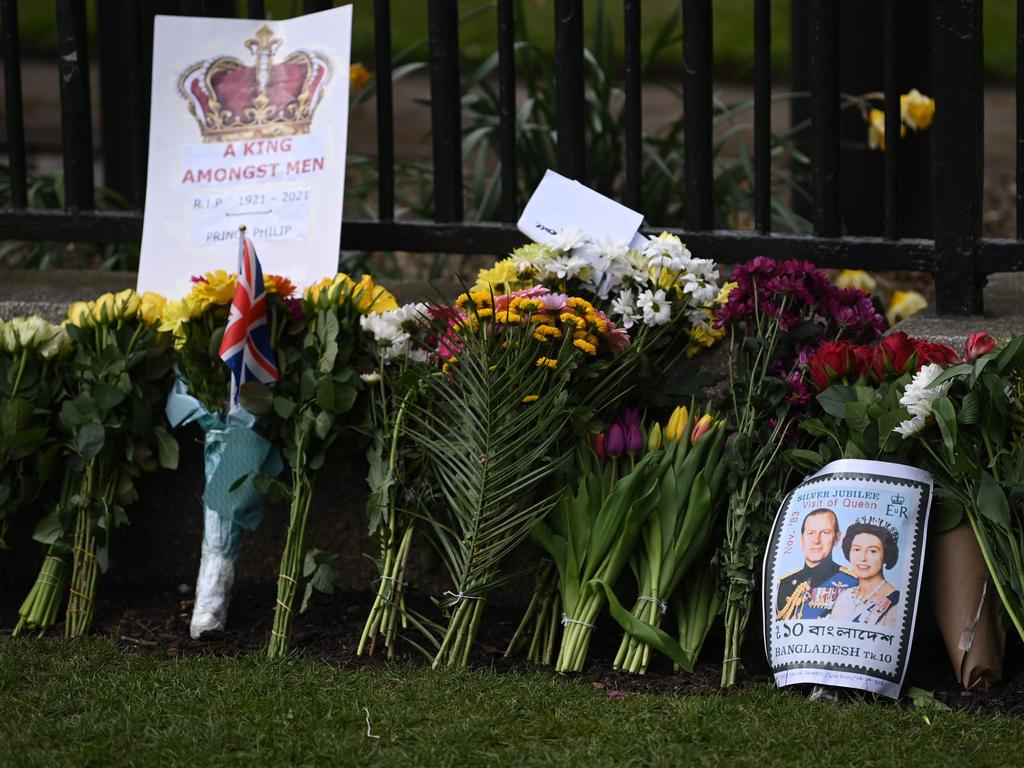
[[631, 427], [615, 440]]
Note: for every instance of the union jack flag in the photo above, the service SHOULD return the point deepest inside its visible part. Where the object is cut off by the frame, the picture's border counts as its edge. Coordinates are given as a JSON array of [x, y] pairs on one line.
[[246, 348]]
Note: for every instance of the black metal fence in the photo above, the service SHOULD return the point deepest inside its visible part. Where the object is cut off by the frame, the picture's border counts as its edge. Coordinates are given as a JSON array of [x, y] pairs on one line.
[[957, 256]]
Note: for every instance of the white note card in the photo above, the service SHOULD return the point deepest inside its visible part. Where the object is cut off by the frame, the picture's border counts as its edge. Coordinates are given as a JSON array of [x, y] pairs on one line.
[[560, 204]]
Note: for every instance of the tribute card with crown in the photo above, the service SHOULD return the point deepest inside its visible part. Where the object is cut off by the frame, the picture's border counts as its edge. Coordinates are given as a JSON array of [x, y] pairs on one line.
[[842, 576], [248, 125]]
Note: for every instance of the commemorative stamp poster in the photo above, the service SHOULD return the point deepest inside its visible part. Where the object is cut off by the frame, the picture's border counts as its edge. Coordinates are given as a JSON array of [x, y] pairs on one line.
[[248, 125], [842, 576]]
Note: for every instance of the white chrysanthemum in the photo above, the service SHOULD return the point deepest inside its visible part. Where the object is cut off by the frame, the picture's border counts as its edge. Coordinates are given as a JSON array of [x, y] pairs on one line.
[[666, 245], [656, 308], [609, 266], [700, 291], [391, 340], [698, 318], [567, 240], [565, 266], [622, 307], [910, 427], [918, 397]]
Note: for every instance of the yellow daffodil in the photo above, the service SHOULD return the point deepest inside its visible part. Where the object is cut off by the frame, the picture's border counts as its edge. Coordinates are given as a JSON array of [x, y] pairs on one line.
[[876, 129], [903, 304], [856, 278], [358, 76], [917, 110], [373, 298]]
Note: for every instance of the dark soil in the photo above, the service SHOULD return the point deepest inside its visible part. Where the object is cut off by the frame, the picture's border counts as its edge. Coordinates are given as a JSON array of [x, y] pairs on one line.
[[156, 623]]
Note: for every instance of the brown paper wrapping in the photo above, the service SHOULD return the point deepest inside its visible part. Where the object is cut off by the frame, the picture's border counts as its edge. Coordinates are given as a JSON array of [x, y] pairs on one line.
[[966, 606]]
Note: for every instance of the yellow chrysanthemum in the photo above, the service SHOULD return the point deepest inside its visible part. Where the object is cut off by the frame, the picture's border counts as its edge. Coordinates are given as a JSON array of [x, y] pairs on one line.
[[151, 307], [724, 291], [703, 338], [216, 289], [876, 129], [586, 346], [531, 398], [580, 305], [544, 332], [570, 319], [509, 317], [502, 278], [525, 305], [174, 317], [547, 362]]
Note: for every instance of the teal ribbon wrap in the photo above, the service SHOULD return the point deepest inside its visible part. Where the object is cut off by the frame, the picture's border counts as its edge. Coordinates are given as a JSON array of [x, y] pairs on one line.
[[233, 449]]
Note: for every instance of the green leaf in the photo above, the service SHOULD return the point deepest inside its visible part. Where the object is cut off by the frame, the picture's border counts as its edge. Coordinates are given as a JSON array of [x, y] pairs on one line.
[[318, 570], [167, 448], [804, 460], [324, 422], [835, 399], [857, 416], [991, 502], [257, 398], [970, 408], [107, 396], [89, 440], [651, 635], [50, 528], [945, 417], [284, 407], [946, 515], [16, 416]]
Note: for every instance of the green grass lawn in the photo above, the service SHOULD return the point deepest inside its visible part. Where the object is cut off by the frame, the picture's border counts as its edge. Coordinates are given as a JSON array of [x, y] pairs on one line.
[[87, 703], [732, 22]]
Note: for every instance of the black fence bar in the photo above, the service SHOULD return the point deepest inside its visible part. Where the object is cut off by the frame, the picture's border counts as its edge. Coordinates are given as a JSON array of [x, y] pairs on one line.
[[893, 124], [507, 108], [256, 9], [445, 108], [762, 116], [123, 98], [312, 6], [698, 211], [824, 79], [75, 108], [571, 151], [1020, 119], [959, 158], [633, 109], [13, 105], [385, 110]]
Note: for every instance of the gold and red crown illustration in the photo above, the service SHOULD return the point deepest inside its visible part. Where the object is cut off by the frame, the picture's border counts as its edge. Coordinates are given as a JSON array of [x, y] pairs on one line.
[[233, 101]]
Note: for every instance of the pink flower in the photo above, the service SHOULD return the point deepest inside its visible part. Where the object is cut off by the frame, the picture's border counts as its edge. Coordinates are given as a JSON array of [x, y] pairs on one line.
[[616, 339], [501, 302], [553, 301], [978, 344]]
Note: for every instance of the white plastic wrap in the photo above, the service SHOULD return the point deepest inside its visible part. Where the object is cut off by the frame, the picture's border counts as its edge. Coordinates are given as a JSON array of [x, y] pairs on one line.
[[221, 539]]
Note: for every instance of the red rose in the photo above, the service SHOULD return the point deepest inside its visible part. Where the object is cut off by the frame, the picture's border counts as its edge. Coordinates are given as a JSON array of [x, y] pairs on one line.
[[978, 344], [935, 352], [894, 356], [835, 360]]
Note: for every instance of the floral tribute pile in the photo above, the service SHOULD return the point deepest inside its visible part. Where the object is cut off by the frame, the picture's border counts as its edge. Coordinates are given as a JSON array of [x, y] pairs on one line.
[[551, 428]]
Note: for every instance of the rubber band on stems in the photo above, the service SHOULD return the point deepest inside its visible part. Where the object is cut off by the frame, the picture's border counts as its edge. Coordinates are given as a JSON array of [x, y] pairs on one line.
[[401, 583], [566, 621], [459, 596], [662, 605]]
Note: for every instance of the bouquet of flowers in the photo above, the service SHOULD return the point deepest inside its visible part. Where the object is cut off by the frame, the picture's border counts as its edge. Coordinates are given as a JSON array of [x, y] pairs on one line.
[[32, 352], [512, 366], [778, 314], [400, 346], [117, 377], [201, 395], [856, 411], [660, 293], [317, 356], [967, 417]]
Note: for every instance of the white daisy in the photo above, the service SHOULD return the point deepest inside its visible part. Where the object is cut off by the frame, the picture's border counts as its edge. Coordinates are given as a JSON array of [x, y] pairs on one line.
[[656, 308]]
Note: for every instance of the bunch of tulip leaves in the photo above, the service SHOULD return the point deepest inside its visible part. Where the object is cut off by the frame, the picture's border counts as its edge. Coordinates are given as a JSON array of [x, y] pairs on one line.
[[689, 499]]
